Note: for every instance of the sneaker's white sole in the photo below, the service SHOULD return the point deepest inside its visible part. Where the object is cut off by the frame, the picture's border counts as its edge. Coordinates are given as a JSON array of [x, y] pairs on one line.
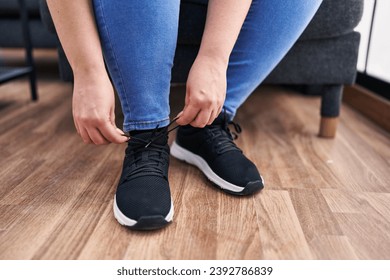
[[187, 156], [125, 221]]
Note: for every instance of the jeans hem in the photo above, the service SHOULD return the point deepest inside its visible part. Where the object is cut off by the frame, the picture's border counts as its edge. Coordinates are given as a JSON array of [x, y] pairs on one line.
[[143, 125], [229, 113]]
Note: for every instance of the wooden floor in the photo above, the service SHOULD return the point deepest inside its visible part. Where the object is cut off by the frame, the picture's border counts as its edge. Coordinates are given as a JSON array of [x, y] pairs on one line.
[[324, 199]]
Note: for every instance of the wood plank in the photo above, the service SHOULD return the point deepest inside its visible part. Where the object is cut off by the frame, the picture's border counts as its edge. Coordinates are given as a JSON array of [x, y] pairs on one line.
[[47, 203], [328, 247], [369, 234], [373, 136], [281, 234], [342, 201], [72, 232], [380, 202], [108, 240], [316, 218], [238, 232]]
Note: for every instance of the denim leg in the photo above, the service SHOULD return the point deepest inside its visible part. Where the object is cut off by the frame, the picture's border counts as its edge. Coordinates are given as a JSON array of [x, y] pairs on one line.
[[269, 31], [139, 39]]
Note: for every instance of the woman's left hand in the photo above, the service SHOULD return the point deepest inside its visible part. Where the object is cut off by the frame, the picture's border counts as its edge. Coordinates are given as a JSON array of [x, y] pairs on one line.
[[205, 92]]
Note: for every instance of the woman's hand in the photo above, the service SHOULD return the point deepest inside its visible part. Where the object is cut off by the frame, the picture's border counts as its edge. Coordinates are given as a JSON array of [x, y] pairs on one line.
[[206, 84], [94, 109], [205, 92], [93, 94]]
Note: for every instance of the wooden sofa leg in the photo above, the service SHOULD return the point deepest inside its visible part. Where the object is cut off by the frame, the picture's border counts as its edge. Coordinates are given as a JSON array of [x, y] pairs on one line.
[[328, 127], [330, 110]]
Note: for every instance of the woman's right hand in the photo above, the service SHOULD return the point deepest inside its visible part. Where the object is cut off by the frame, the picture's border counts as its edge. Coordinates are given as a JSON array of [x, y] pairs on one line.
[[94, 109]]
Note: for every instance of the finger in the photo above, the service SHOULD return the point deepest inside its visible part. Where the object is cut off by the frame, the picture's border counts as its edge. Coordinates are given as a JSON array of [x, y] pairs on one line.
[[112, 133], [219, 110], [76, 126], [188, 116], [217, 113], [120, 131], [84, 135], [213, 116], [178, 115], [112, 117], [96, 137], [202, 119]]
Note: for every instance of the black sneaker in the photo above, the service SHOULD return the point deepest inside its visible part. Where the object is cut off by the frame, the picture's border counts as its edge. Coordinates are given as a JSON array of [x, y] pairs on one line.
[[213, 151], [143, 198]]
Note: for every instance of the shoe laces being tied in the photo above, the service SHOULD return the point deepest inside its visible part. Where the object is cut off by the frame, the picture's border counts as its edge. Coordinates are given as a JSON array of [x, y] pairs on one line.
[[148, 156], [222, 137]]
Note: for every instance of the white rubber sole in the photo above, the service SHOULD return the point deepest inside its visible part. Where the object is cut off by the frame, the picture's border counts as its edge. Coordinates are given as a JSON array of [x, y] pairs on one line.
[[191, 158], [125, 221]]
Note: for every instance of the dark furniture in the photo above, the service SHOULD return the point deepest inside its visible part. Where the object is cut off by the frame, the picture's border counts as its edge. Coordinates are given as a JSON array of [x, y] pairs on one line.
[[20, 18], [11, 30], [321, 62], [13, 34]]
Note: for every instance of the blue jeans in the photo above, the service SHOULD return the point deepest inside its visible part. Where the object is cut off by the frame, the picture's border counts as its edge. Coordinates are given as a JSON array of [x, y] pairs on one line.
[[139, 39]]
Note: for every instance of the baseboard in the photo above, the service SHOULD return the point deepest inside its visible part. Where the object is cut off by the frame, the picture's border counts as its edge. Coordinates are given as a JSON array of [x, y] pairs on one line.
[[374, 107]]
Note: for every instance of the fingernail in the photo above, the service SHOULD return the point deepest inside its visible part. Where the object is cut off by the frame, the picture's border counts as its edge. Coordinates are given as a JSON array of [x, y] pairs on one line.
[[178, 115], [127, 136]]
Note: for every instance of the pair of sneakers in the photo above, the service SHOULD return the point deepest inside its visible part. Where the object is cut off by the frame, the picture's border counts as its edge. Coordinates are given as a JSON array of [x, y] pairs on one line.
[[143, 199]]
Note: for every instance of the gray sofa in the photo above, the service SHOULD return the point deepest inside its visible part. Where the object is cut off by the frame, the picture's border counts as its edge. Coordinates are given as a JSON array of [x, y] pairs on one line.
[[321, 62]]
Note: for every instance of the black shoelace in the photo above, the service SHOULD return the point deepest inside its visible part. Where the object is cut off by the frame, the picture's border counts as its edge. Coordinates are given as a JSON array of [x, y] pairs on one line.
[[223, 138], [148, 156]]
